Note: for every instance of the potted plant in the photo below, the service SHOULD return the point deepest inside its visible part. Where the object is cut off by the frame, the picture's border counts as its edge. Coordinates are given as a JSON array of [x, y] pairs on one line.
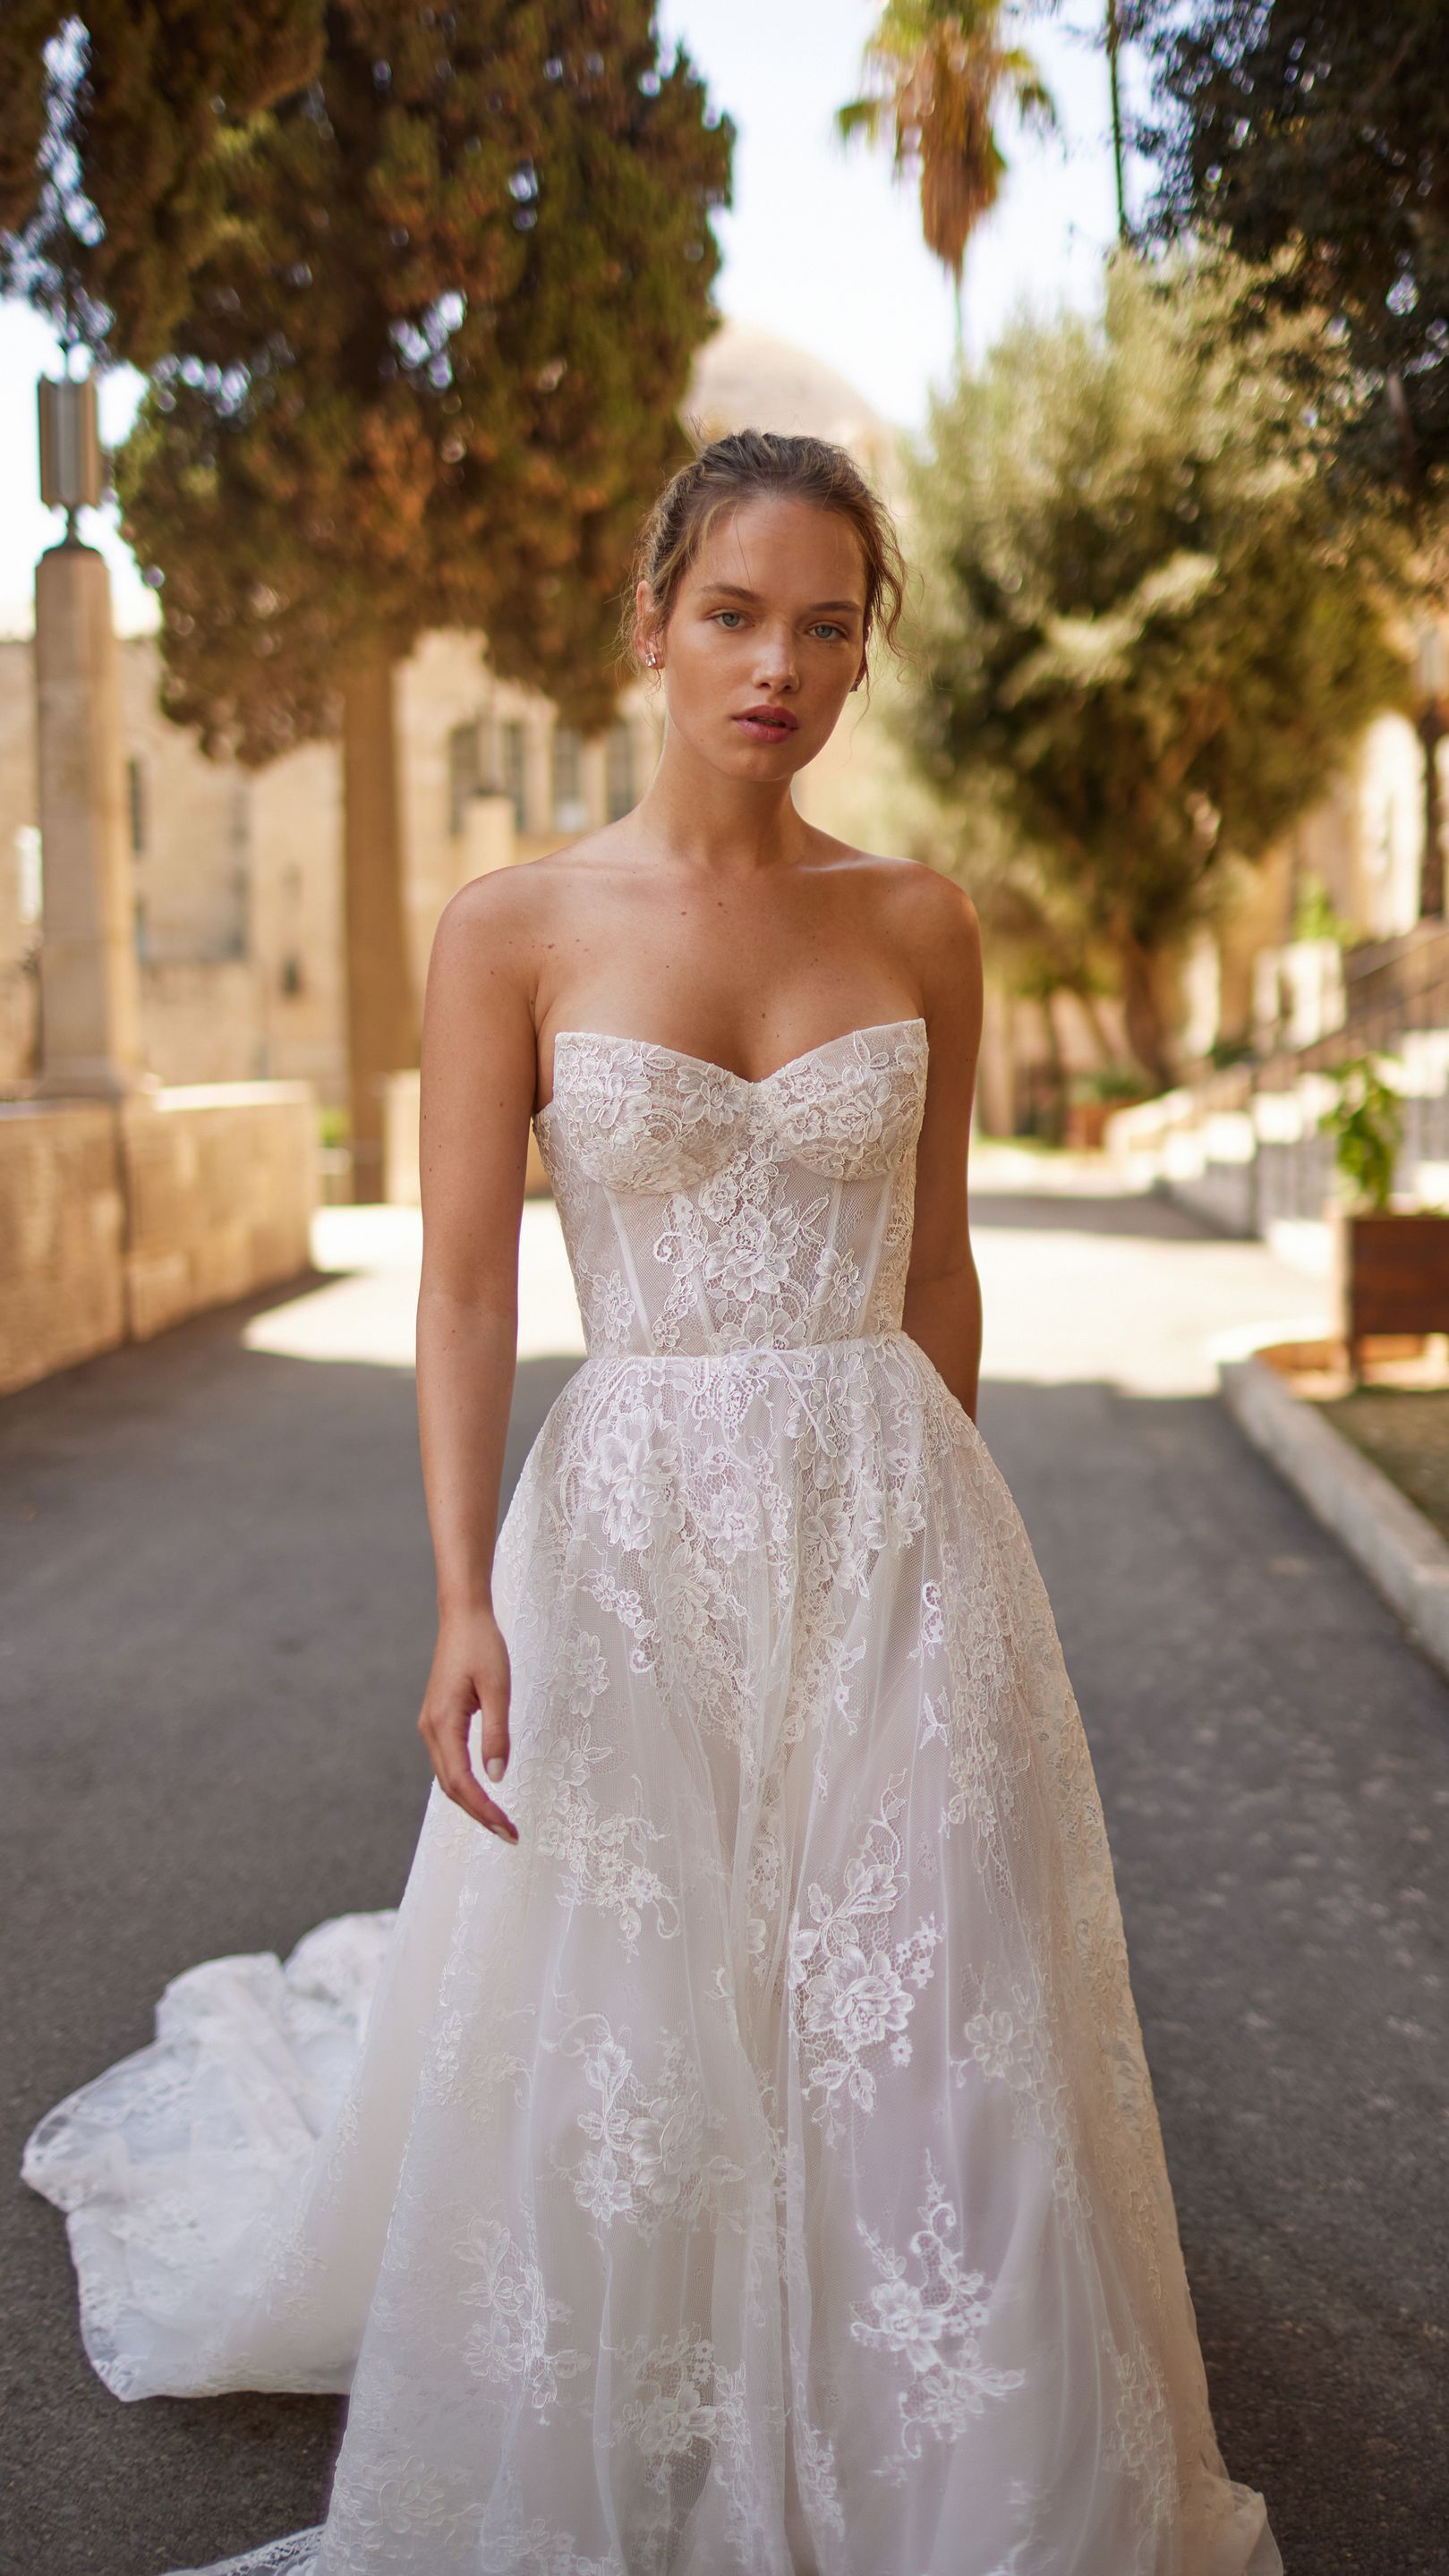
[[1092, 1098], [1391, 1264]]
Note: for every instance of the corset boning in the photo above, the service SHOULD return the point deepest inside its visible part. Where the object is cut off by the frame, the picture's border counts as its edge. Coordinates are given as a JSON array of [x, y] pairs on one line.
[[705, 1213]]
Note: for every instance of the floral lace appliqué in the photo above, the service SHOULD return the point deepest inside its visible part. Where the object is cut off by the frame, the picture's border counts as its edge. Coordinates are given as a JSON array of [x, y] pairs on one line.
[[927, 2312], [851, 1986]]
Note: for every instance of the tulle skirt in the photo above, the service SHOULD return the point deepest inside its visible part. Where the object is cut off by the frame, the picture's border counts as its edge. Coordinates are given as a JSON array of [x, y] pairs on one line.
[[757, 2168]]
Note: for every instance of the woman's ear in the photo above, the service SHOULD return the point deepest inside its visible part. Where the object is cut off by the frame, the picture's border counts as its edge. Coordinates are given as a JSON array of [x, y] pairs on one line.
[[646, 637]]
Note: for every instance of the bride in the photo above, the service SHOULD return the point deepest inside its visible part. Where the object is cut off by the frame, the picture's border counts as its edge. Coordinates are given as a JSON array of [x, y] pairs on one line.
[[737, 2153]]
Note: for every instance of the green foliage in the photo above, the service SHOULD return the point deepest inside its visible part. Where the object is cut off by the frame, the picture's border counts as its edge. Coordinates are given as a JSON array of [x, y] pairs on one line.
[[1118, 1082], [1143, 645], [119, 124], [26, 27], [1314, 916], [1321, 128], [1366, 1122], [429, 374], [1038, 938]]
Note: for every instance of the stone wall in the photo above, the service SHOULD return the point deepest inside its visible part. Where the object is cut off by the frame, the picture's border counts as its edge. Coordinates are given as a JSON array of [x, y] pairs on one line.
[[401, 1183], [62, 1220], [200, 1020], [220, 1185], [119, 1220]]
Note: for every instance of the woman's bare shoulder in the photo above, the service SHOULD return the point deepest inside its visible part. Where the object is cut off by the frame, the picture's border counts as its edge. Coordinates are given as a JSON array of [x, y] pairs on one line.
[[508, 918], [507, 899], [929, 914]]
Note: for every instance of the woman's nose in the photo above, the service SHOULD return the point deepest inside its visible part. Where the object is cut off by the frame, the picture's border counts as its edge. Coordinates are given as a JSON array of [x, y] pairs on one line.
[[775, 661]]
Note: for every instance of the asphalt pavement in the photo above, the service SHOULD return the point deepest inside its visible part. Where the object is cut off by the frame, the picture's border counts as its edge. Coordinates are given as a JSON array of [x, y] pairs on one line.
[[215, 1617]]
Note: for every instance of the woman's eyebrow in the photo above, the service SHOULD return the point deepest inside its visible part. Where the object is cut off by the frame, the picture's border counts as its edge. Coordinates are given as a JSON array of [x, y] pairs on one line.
[[737, 590]]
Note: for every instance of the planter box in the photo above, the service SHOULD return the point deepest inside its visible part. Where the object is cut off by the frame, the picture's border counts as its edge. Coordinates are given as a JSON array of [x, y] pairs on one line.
[[1391, 1276]]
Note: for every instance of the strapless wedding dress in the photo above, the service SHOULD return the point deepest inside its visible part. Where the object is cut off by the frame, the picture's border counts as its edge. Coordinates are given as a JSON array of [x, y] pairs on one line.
[[757, 2168]]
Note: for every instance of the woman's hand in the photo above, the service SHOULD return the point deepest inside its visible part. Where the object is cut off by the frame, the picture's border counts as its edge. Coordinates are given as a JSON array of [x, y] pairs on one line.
[[470, 1671]]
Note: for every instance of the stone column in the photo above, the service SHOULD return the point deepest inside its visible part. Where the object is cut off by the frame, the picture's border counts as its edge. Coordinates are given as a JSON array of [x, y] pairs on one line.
[[90, 1020]]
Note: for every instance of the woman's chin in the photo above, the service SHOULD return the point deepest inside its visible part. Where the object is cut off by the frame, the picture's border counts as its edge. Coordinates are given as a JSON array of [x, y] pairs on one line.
[[733, 757], [743, 755]]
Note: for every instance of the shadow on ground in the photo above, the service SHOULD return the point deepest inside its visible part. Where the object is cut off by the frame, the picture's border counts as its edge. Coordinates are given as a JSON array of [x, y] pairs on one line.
[[1096, 1211]]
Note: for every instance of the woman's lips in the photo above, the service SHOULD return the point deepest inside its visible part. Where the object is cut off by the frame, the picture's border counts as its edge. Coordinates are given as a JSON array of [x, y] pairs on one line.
[[766, 724]]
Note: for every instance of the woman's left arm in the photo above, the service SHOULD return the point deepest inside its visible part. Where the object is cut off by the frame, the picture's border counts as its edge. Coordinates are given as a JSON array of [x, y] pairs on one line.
[[943, 1292]]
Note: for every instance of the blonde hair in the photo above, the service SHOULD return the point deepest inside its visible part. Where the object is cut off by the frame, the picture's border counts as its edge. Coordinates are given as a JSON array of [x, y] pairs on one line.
[[751, 465]]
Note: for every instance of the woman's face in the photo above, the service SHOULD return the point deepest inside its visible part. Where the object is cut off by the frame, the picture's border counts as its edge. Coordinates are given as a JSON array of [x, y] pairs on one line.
[[764, 641]]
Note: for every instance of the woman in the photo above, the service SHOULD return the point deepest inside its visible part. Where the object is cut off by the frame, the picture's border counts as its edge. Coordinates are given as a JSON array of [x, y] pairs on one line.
[[750, 2162]]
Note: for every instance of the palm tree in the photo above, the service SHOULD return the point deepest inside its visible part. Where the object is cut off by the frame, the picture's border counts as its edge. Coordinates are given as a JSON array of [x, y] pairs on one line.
[[935, 74]]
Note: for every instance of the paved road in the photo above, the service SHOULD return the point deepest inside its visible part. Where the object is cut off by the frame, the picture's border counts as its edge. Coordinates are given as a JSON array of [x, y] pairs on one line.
[[214, 1615]]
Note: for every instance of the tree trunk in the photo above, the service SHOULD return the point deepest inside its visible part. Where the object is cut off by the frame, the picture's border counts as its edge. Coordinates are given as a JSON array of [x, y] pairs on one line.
[[1057, 1113], [382, 1023], [1144, 972], [1091, 1011]]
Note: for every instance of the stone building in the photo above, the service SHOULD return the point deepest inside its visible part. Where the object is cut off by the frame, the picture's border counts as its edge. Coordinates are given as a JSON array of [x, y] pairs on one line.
[[237, 872]]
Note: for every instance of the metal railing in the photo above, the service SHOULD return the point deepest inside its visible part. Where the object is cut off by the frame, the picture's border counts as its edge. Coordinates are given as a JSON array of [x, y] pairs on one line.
[[1244, 1146], [1396, 1005]]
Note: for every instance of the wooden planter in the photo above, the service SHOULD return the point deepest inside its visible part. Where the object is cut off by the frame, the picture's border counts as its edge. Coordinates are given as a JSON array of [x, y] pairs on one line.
[[1391, 1276]]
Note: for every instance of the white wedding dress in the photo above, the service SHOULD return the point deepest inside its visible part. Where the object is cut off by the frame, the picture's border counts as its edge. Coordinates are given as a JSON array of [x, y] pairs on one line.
[[757, 2168]]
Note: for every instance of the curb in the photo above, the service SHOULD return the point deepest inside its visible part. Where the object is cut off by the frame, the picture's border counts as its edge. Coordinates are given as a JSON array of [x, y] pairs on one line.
[[1399, 1550]]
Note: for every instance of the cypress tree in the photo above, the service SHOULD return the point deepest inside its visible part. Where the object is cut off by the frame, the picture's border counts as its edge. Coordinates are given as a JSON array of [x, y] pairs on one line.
[[415, 351], [119, 123]]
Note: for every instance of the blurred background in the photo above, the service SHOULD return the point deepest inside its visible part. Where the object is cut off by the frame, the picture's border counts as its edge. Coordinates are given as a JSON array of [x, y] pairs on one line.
[[342, 345]]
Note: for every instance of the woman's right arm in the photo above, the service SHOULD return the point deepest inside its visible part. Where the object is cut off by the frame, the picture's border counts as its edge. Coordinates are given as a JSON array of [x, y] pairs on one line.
[[478, 1077]]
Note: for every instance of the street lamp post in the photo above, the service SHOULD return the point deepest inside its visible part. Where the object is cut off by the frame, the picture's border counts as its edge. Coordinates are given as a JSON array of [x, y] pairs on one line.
[[1429, 672], [89, 1002]]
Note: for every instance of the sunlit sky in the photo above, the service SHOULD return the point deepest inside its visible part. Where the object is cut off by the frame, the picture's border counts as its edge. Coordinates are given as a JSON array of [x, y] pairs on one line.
[[822, 245]]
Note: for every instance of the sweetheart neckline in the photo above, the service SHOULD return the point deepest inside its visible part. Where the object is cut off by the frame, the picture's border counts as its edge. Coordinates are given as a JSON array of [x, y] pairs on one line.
[[747, 1082]]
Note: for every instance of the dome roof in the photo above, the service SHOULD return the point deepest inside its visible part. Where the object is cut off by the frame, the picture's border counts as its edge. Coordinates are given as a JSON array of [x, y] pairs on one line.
[[747, 379]]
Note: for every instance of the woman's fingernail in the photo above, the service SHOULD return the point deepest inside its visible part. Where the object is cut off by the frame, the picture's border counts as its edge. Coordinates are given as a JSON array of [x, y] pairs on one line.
[[494, 1766]]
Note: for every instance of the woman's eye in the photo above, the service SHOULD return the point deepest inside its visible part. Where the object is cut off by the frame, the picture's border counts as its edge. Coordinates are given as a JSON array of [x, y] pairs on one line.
[[724, 613], [825, 628]]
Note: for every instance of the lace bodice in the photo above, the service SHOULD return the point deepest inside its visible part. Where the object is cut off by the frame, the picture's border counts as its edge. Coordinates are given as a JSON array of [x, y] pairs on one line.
[[704, 1212]]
